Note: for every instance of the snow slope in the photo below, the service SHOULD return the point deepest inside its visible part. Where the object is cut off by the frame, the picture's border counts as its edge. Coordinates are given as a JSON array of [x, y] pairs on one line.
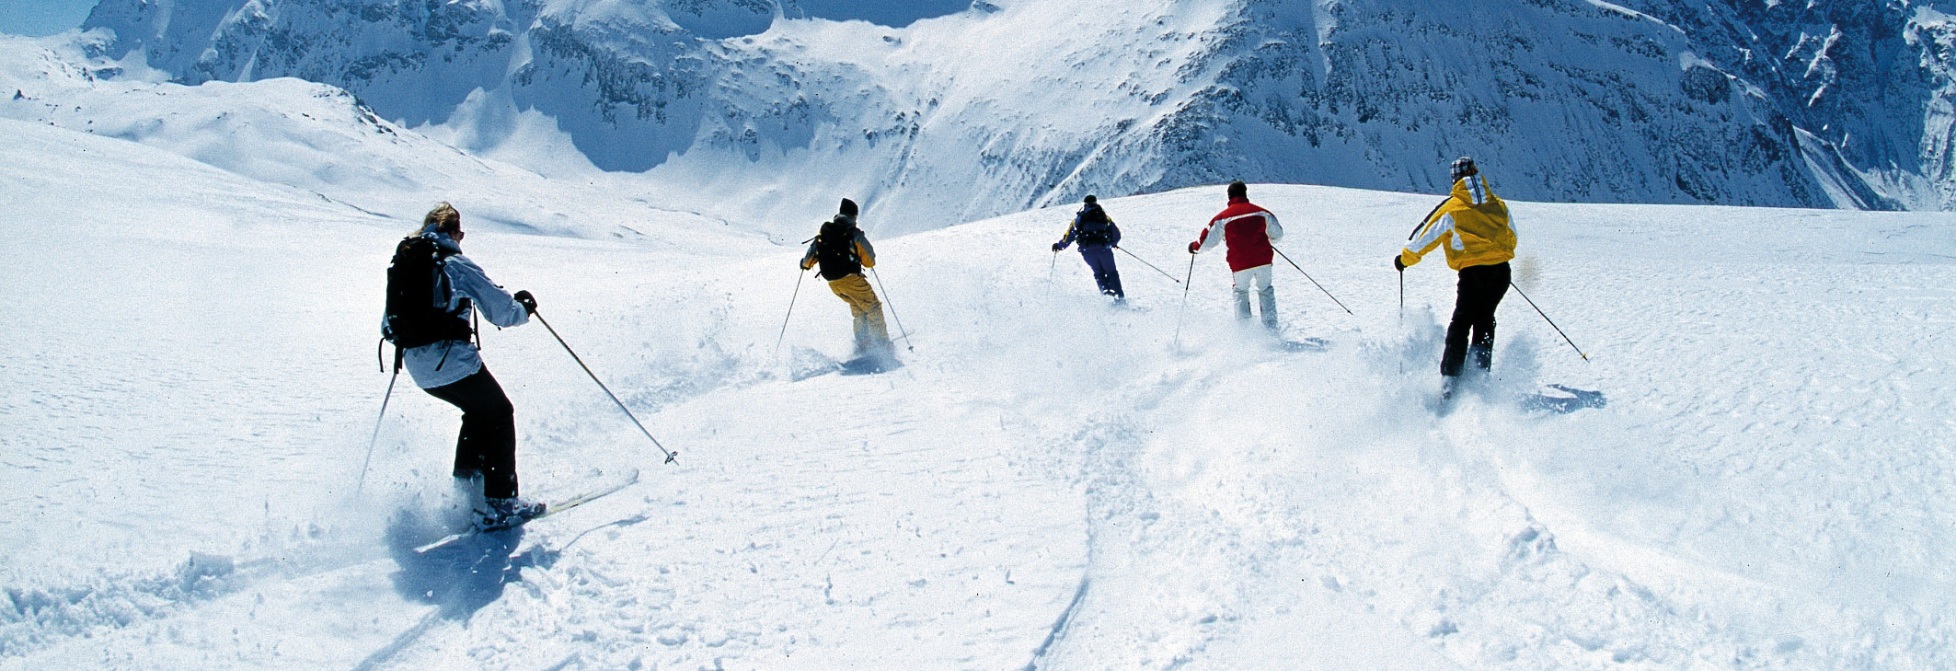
[[190, 385]]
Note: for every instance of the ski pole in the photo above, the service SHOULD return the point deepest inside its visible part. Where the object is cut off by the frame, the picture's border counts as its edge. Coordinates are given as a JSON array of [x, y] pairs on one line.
[[893, 315], [670, 455], [1144, 262], [1429, 215], [1050, 269], [1313, 280], [791, 311], [1185, 303], [375, 440], [1402, 314], [1551, 322]]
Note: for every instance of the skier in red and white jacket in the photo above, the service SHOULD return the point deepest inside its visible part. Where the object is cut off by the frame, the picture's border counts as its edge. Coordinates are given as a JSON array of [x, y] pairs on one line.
[[1247, 231]]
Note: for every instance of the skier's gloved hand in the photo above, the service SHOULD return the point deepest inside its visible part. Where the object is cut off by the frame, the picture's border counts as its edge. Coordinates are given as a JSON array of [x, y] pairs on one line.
[[1398, 264], [1193, 246], [1056, 246], [529, 302]]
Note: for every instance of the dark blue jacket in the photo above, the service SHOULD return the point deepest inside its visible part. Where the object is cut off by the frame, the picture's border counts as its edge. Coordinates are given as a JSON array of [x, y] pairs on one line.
[[1093, 229]]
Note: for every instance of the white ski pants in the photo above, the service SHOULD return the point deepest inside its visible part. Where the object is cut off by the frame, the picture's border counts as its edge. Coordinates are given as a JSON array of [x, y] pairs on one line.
[[1257, 278]]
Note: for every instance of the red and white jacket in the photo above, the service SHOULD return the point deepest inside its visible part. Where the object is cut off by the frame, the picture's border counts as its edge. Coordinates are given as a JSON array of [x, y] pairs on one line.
[[1247, 231]]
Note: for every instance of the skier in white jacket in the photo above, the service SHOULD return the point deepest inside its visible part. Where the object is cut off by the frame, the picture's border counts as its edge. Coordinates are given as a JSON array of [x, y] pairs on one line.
[[451, 369]]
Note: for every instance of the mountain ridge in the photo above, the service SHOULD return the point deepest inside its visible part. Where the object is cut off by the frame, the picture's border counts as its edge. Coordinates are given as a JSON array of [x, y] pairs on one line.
[[755, 113]]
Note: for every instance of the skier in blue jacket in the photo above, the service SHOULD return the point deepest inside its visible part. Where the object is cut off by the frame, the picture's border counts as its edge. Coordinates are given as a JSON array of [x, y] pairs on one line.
[[1097, 236]]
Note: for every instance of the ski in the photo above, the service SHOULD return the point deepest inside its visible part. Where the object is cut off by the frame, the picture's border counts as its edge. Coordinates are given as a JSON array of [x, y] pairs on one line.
[[1556, 399], [869, 365], [1570, 400], [550, 508], [809, 363], [804, 363], [1305, 345]]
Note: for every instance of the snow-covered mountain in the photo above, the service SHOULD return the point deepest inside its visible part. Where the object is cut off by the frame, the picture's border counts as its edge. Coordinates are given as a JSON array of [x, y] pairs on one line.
[[317, 138], [940, 111]]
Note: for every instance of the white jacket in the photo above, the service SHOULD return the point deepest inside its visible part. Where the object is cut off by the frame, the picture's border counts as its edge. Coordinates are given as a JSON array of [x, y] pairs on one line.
[[447, 362]]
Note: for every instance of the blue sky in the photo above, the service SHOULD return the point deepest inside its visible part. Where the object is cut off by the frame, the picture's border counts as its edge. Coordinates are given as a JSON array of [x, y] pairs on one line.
[[42, 17]]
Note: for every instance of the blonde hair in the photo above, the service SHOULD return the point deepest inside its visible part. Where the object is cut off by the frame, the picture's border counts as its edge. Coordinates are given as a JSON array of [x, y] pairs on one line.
[[444, 218]]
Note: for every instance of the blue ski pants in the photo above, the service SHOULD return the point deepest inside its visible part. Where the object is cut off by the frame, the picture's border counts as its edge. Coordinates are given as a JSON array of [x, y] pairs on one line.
[[1101, 260]]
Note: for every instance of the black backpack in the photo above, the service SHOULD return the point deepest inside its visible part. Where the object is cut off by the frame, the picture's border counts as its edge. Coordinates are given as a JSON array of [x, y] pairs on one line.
[[835, 250], [1094, 228], [417, 293]]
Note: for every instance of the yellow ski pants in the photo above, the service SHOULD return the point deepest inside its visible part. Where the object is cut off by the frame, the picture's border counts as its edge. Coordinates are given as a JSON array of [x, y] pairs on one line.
[[871, 333]]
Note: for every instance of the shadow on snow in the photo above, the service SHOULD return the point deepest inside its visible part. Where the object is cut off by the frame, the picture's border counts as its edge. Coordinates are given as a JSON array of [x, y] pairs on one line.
[[460, 577]]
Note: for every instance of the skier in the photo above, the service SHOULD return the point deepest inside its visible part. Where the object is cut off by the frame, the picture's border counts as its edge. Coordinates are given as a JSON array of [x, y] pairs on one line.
[[843, 251], [445, 363], [1479, 236], [1247, 230], [1097, 235]]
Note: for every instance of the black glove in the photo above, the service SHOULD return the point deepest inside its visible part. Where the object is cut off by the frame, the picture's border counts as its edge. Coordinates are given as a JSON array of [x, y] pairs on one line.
[[528, 302], [1398, 264], [1194, 246], [1056, 246]]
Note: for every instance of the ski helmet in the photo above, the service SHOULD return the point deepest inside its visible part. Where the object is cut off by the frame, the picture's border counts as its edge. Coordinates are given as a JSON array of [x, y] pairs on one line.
[[1463, 167]]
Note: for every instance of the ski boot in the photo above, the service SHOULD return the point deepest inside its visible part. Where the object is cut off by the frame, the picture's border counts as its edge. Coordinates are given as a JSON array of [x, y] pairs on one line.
[[502, 514]]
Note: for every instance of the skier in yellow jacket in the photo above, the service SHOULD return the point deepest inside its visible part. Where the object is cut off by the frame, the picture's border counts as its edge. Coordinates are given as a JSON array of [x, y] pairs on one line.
[[843, 252], [1478, 233]]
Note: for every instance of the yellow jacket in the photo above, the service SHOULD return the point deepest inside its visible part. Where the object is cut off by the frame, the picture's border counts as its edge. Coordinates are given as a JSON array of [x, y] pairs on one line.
[[1474, 224]]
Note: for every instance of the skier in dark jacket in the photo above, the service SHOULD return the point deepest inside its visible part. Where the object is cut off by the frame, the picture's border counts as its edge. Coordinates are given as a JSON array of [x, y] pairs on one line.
[[451, 369], [1097, 236], [843, 252]]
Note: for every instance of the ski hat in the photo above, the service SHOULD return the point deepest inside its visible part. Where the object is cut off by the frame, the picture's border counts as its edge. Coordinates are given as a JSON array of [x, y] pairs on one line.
[[1464, 167], [848, 207], [1089, 200], [1238, 189]]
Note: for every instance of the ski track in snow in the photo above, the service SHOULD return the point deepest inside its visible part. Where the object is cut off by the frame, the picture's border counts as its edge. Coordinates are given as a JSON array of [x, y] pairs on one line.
[[1047, 484]]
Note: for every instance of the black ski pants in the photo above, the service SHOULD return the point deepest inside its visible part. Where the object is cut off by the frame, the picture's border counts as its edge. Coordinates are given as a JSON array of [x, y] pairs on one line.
[[1481, 290], [487, 443]]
